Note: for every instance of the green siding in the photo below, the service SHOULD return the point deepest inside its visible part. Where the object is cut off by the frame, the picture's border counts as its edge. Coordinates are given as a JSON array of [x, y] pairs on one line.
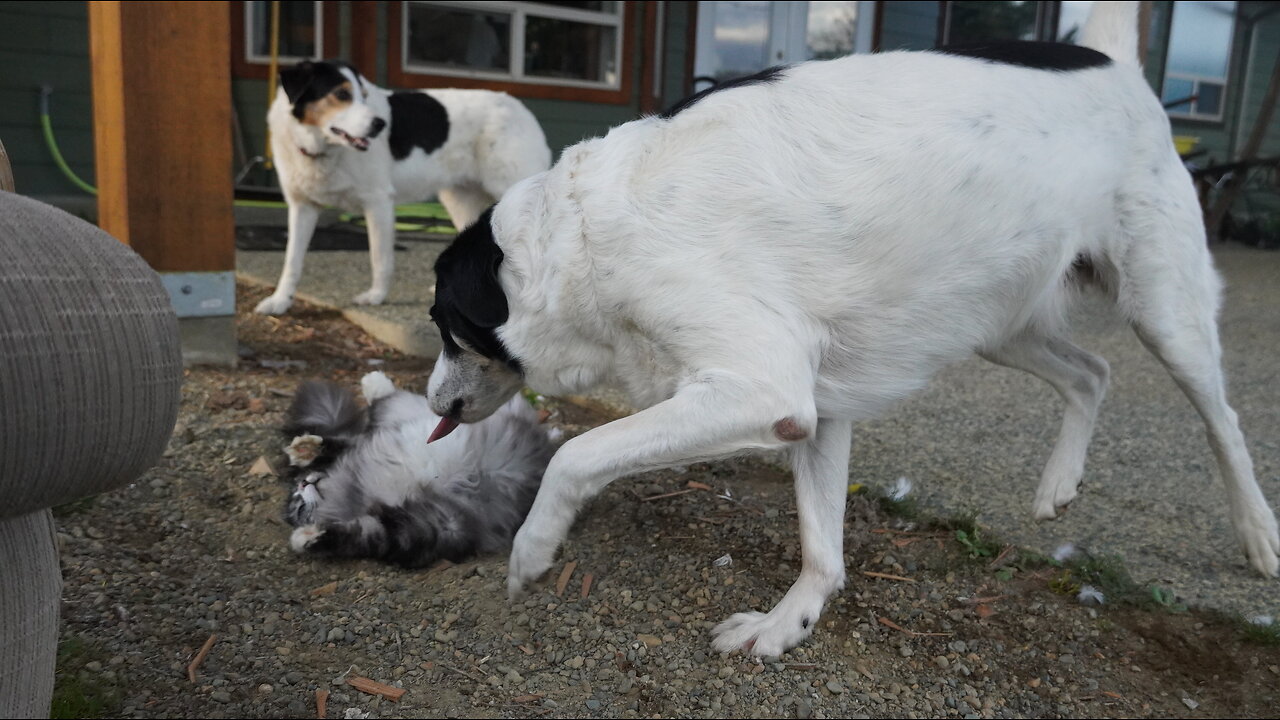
[[45, 43], [250, 99]]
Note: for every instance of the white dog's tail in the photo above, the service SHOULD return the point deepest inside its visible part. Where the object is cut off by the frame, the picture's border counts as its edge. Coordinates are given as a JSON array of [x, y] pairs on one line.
[[1112, 28]]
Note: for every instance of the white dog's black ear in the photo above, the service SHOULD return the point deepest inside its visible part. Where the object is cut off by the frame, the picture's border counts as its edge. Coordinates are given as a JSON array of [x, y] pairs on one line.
[[467, 276], [470, 303], [295, 80]]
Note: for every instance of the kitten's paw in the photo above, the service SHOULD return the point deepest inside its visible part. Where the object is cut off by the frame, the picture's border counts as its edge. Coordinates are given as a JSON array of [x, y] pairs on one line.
[[376, 385], [304, 537]]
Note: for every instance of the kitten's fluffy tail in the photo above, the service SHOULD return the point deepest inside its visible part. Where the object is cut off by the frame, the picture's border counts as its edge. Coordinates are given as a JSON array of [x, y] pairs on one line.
[[326, 410]]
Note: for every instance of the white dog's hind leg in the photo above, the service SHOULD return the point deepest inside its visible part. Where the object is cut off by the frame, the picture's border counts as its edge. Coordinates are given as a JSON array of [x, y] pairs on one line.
[[1080, 377], [720, 414], [1170, 290], [380, 216], [821, 468], [302, 225], [464, 204]]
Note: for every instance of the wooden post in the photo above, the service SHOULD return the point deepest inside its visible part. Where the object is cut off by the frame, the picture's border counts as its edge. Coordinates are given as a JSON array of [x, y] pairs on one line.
[[162, 136], [162, 130]]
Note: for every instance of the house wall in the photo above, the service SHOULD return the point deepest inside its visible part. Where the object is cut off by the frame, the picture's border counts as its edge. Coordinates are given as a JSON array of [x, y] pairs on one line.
[[564, 122], [46, 43]]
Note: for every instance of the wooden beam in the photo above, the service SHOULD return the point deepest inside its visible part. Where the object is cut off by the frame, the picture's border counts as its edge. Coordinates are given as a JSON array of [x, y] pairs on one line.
[[6, 171], [162, 131]]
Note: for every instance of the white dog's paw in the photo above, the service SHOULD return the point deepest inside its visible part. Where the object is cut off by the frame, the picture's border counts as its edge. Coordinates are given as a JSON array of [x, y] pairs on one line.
[[530, 559], [1053, 495], [304, 537], [274, 305], [370, 297], [376, 385], [1257, 534], [762, 635]]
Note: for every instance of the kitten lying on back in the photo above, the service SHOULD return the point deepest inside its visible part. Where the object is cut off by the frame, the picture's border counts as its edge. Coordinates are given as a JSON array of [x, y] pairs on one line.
[[366, 484]]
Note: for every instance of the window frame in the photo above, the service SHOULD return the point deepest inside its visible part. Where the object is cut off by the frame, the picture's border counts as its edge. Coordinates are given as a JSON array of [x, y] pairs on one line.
[[245, 66], [402, 74], [1224, 81], [1046, 21]]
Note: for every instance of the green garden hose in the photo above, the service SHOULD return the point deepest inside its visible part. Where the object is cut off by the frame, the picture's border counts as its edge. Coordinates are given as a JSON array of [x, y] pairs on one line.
[[47, 125]]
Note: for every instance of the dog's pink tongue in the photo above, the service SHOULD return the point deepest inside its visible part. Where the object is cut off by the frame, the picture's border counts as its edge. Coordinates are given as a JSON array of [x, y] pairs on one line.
[[445, 427]]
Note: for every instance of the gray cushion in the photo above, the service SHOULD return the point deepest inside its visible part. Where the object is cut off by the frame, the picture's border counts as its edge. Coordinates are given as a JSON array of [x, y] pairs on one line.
[[90, 364], [29, 588]]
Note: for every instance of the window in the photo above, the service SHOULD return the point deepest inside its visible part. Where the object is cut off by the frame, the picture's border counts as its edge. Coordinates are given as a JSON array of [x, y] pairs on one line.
[[573, 44], [308, 31], [832, 29], [301, 32], [971, 22], [1071, 17], [1199, 57]]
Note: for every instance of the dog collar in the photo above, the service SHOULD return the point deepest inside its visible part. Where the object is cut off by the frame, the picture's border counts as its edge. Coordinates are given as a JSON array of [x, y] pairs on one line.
[[311, 155]]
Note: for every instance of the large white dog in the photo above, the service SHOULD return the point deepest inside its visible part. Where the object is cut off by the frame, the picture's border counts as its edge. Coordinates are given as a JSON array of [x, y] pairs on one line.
[[766, 264], [327, 136]]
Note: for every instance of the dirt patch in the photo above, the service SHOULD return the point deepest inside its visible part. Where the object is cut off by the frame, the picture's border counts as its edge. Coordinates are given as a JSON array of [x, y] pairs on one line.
[[196, 548]]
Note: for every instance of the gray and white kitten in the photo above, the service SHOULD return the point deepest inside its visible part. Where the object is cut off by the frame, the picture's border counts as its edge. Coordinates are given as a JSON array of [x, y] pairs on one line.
[[367, 484]]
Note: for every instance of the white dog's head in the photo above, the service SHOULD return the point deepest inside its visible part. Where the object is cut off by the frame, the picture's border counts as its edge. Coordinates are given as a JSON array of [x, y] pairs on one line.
[[475, 373], [331, 98]]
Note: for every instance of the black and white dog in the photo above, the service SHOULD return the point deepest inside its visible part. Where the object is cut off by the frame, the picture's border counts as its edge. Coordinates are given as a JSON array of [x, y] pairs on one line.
[[339, 140], [766, 264], [365, 483]]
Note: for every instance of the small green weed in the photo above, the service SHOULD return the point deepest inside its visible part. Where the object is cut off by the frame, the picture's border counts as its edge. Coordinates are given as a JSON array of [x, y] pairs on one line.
[[75, 506], [976, 544], [1259, 632], [76, 693]]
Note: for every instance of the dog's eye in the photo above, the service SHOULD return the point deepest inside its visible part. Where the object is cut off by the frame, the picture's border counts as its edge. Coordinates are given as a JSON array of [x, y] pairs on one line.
[[342, 94]]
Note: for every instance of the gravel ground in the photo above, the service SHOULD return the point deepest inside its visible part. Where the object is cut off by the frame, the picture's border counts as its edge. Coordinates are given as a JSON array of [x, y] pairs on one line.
[[978, 437], [196, 548]]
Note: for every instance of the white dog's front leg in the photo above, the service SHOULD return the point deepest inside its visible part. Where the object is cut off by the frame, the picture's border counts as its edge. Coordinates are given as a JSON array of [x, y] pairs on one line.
[[302, 225], [821, 468], [380, 216], [712, 418]]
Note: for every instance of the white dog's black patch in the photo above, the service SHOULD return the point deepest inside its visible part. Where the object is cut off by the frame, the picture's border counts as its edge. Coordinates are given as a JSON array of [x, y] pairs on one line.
[[767, 75], [1057, 57], [417, 121], [470, 304]]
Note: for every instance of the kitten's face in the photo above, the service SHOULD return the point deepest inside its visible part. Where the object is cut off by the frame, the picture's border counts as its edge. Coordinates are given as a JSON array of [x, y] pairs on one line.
[[304, 499]]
